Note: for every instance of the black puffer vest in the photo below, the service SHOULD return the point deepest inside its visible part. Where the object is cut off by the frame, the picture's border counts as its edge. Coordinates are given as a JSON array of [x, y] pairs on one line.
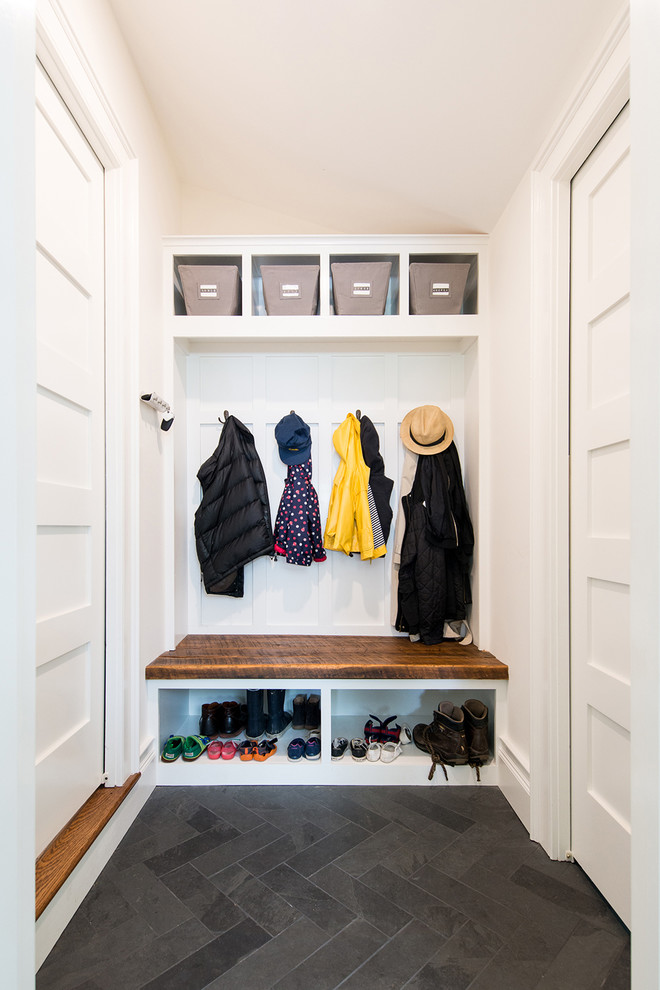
[[232, 523]]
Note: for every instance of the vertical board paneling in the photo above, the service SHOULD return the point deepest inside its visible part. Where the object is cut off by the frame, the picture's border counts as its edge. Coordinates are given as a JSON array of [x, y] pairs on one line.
[[342, 595]]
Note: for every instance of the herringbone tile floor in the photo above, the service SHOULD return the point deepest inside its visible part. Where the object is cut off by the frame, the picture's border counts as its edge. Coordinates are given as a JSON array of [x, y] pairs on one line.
[[312, 888]]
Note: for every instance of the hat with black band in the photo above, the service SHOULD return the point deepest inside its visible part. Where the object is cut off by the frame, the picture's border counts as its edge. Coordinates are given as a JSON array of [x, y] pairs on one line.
[[426, 430]]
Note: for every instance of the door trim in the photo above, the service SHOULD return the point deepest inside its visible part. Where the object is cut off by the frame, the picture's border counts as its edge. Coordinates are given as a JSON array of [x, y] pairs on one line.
[[603, 93], [59, 51]]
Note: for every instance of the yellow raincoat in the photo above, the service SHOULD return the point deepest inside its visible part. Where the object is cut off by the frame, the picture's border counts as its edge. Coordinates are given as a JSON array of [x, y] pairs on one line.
[[348, 526]]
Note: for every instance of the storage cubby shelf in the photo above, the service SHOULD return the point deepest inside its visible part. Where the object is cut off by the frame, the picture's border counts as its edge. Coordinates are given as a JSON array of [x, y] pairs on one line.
[[251, 323]]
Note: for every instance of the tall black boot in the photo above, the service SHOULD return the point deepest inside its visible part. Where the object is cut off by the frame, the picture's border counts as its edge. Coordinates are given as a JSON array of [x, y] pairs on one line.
[[278, 719], [256, 719]]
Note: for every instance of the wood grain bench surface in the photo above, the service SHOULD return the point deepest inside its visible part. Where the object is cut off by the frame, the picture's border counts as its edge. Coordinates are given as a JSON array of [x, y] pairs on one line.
[[259, 657]]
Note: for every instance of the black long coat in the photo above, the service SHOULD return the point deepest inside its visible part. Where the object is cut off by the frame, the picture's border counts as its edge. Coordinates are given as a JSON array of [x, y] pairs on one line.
[[232, 523], [436, 554]]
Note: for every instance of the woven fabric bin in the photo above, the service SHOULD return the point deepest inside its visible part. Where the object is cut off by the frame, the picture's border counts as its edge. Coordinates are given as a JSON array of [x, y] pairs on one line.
[[290, 290], [437, 288], [210, 290], [360, 288]]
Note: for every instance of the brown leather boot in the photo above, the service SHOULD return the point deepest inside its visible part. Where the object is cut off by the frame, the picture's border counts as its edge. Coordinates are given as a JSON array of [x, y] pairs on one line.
[[476, 731], [444, 739]]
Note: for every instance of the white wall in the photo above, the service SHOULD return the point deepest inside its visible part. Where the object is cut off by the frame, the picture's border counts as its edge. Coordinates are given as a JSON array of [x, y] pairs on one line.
[[508, 424], [207, 211], [158, 213]]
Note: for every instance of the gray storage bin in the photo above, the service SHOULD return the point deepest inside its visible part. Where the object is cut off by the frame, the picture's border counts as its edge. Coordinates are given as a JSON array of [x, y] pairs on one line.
[[360, 288], [210, 290], [437, 288], [290, 290]]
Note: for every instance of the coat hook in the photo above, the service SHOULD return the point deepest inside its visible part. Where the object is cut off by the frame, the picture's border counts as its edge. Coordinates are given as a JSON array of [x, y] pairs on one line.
[[226, 415], [292, 413], [358, 414]]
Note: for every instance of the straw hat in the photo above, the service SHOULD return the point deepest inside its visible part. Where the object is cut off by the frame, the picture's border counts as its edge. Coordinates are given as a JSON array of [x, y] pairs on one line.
[[427, 430]]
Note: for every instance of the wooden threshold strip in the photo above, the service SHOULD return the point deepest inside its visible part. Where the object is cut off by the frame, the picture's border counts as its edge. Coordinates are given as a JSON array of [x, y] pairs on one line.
[[58, 861]]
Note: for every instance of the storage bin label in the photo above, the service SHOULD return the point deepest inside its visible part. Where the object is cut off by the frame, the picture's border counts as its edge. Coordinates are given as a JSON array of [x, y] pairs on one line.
[[361, 289], [439, 289], [289, 291], [208, 292]]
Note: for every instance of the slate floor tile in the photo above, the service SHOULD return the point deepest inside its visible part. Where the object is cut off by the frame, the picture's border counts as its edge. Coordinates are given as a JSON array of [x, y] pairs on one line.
[[203, 899], [273, 960], [425, 888], [407, 896], [383, 801], [327, 849], [399, 959], [216, 957], [522, 960], [373, 850], [555, 892], [524, 902], [362, 901], [331, 798], [584, 960], [427, 845], [223, 803], [471, 903], [307, 898], [74, 961], [263, 905], [434, 812], [503, 854], [619, 976], [190, 849], [238, 846], [128, 853], [151, 898], [459, 960], [336, 960], [299, 837], [132, 971]]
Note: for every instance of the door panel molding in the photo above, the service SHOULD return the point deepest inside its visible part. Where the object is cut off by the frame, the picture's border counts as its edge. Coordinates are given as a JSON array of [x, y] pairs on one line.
[[603, 94], [63, 57]]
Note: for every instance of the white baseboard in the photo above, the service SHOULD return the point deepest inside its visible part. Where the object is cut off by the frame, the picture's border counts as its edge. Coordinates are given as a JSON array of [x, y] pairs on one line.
[[514, 781], [67, 900]]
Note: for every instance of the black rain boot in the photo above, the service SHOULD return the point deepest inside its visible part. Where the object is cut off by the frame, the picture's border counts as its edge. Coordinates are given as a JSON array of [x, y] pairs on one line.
[[278, 719], [256, 720], [299, 711], [313, 712]]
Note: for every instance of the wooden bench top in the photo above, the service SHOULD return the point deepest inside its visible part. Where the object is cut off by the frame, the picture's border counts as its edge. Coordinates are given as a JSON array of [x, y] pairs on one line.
[[259, 657]]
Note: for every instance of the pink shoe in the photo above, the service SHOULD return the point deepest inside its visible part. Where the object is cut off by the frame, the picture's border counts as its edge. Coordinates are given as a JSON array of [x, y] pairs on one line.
[[214, 749], [229, 750]]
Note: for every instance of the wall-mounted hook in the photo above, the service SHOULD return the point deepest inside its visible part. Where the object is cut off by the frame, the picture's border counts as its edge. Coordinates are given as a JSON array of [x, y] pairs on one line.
[[226, 415], [292, 413], [358, 414], [155, 401]]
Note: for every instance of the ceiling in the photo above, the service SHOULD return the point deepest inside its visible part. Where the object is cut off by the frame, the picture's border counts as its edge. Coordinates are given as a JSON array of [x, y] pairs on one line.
[[362, 116]]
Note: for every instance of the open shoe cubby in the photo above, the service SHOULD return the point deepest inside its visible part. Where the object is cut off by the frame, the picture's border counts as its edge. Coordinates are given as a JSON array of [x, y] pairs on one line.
[[345, 707]]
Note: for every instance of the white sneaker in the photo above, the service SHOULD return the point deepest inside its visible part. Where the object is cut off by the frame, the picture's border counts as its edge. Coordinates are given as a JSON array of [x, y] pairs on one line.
[[389, 752], [373, 752]]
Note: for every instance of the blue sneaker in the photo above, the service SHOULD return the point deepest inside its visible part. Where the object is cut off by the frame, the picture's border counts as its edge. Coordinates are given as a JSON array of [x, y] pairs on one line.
[[313, 748], [295, 750]]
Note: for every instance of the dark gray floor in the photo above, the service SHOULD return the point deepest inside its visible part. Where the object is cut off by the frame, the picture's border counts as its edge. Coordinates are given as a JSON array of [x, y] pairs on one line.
[[310, 888]]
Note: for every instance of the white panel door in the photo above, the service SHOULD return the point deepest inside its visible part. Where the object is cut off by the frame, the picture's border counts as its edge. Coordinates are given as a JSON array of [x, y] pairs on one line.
[[600, 516], [70, 564]]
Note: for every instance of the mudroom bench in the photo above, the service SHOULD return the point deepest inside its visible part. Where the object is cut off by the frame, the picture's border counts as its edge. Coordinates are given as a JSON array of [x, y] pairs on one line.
[[355, 677]]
